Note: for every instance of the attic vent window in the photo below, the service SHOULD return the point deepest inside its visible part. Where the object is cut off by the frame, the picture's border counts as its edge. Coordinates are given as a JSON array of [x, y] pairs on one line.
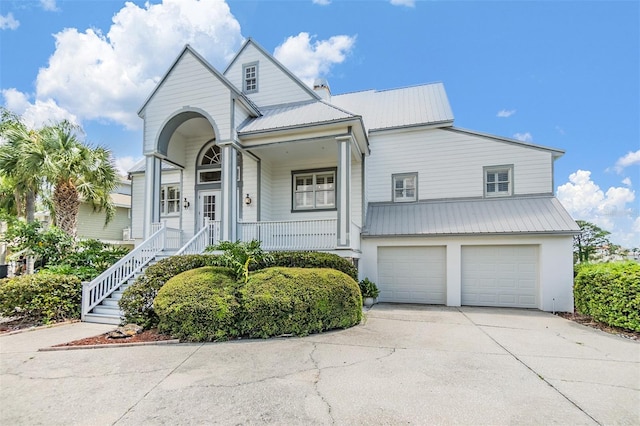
[[250, 73]]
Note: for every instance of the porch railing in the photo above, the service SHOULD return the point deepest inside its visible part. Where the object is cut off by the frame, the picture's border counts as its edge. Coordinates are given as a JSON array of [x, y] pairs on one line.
[[291, 235], [103, 285], [208, 235]]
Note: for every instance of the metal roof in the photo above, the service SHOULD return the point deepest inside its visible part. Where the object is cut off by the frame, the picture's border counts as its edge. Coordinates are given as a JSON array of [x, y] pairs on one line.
[[141, 166], [295, 115], [406, 107], [539, 214]]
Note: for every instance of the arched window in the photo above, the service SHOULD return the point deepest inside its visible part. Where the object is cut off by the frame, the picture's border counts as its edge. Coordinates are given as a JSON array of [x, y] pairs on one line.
[[210, 164]]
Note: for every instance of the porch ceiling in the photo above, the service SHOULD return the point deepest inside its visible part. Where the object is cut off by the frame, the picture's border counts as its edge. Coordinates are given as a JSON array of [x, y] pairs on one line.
[[197, 127], [295, 151]]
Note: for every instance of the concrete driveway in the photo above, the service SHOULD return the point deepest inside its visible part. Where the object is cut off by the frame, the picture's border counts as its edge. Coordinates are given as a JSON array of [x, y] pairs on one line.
[[405, 364]]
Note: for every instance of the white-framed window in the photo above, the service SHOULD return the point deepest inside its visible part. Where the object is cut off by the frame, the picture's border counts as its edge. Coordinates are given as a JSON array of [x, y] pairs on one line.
[[210, 165], [314, 189], [250, 77], [405, 187], [169, 200], [498, 181]]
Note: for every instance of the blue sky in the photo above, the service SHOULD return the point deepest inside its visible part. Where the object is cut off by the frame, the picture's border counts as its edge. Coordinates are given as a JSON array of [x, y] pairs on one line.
[[564, 74]]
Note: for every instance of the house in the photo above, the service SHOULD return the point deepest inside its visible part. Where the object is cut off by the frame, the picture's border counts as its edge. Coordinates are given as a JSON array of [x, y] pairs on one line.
[[430, 212]]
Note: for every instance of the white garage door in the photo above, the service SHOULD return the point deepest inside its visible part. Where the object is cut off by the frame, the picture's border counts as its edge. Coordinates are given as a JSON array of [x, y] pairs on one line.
[[500, 276], [412, 274]]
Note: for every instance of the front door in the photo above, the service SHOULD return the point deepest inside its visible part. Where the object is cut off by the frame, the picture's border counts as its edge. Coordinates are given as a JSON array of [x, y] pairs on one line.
[[209, 208]]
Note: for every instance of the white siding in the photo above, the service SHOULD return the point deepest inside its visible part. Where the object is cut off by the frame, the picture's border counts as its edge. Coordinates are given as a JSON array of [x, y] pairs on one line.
[[274, 85], [266, 191], [191, 84], [249, 186], [450, 165], [356, 192]]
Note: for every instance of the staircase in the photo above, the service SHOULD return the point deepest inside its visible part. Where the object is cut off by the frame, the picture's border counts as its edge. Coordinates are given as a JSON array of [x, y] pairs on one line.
[[108, 311]]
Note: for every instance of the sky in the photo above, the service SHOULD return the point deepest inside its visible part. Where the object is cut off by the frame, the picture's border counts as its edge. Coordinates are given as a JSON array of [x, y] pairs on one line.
[[563, 74]]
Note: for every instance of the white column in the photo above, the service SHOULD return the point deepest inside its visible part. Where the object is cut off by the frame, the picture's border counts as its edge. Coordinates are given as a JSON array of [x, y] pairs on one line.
[[343, 191], [151, 193], [229, 193]]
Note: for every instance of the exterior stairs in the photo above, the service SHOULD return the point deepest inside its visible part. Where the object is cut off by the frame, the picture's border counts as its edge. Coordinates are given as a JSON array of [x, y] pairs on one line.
[[108, 311]]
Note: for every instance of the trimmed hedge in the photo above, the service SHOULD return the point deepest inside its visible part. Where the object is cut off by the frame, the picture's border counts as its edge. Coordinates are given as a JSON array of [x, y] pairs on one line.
[[199, 305], [298, 301], [609, 293], [137, 299], [310, 259], [44, 298]]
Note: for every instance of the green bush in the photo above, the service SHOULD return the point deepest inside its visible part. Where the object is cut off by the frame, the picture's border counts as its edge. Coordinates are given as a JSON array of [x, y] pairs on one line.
[[44, 298], [199, 305], [298, 301], [368, 288], [609, 293], [137, 299], [310, 259]]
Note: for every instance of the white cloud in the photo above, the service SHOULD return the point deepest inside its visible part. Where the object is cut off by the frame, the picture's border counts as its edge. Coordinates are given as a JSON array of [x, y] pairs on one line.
[[322, 2], [524, 137], [631, 159], [627, 181], [585, 200], [8, 22], [37, 114], [636, 225], [49, 5], [504, 113], [309, 59], [124, 164], [98, 76], [407, 3]]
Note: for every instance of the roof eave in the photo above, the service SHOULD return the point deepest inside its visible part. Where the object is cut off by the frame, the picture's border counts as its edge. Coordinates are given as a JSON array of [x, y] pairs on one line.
[[474, 234]]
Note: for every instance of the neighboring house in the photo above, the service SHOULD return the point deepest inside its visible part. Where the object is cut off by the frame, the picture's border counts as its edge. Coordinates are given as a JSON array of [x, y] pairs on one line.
[[430, 212], [91, 224]]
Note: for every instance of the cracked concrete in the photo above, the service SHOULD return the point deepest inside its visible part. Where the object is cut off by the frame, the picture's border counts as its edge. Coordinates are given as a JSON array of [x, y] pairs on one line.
[[405, 364]]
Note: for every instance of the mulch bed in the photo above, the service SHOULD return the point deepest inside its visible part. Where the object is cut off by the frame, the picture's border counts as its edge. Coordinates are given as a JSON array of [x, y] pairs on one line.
[[589, 322], [103, 339]]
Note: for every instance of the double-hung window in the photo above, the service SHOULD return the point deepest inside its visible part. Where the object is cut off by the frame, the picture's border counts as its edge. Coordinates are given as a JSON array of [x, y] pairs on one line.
[[405, 187], [250, 77], [169, 200], [314, 190], [498, 181]]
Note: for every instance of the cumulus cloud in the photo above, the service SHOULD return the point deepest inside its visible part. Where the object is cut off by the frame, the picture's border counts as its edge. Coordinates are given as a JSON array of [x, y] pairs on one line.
[[49, 5], [524, 137], [309, 59], [611, 210], [504, 113], [631, 159], [124, 164], [322, 2], [407, 3], [627, 181], [8, 22], [108, 76], [38, 113]]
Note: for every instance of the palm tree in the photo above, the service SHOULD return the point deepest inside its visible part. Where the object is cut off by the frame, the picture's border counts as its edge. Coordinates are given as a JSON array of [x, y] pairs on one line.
[[76, 172]]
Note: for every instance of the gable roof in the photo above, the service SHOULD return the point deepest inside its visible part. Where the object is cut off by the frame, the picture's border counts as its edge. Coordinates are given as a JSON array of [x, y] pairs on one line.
[[496, 216], [188, 49], [421, 105], [556, 152], [278, 64]]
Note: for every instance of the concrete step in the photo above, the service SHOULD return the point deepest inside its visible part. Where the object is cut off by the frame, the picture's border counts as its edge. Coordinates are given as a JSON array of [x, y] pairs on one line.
[[109, 302], [102, 319], [107, 310]]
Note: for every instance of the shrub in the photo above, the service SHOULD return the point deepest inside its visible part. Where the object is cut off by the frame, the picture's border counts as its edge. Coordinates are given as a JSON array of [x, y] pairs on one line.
[[298, 301], [199, 305], [368, 288], [609, 293], [137, 299], [310, 259], [43, 298]]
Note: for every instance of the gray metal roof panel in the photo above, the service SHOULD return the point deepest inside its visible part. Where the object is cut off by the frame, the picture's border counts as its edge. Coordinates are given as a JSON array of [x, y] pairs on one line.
[[293, 115], [534, 214], [410, 106]]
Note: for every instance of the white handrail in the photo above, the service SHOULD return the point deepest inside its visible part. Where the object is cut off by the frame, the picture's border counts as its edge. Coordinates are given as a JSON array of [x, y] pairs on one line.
[[104, 284], [319, 234]]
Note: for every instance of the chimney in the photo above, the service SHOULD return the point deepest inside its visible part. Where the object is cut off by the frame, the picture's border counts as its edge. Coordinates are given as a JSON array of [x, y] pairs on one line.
[[321, 87]]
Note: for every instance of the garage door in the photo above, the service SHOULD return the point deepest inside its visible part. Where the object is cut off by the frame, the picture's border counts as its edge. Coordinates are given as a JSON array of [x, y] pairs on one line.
[[500, 276], [412, 274]]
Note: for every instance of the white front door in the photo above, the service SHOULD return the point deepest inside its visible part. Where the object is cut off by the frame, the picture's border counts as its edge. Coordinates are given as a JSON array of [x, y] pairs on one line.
[[208, 206]]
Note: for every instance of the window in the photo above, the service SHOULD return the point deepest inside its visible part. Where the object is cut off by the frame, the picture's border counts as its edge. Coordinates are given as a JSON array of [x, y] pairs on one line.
[[250, 77], [498, 181], [169, 200], [405, 187], [210, 166], [314, 190]]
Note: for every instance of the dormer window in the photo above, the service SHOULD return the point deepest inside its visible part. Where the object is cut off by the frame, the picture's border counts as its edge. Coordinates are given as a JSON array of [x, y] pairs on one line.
[[250, 77]]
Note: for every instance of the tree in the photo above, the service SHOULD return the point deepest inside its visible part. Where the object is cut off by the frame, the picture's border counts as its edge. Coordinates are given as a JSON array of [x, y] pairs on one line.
[[76, 172], [588, 240]]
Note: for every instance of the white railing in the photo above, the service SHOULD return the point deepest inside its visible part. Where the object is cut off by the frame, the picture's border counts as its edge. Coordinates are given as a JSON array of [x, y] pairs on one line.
[[291, 235], [102, 286], [355, 236], [208, 235]]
